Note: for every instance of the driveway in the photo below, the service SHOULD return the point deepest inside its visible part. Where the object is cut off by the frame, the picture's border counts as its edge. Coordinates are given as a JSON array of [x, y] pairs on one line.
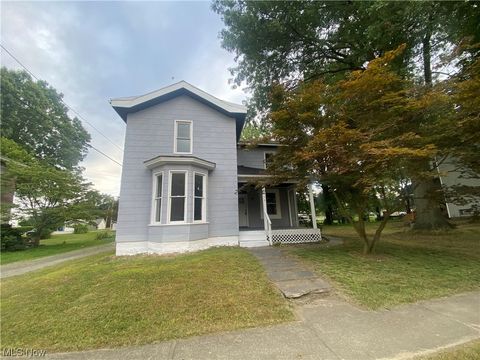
[[22, 267]]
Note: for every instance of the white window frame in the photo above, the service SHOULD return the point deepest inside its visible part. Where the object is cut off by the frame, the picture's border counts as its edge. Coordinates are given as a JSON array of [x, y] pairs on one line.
[[278, 215], [153, 219], [204, 198], [169, 208], [265, 157], [175, 132]]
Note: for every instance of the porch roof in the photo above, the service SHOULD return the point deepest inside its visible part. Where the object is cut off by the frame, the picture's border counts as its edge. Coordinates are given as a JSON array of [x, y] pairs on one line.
[[249, 174], [245, 170]]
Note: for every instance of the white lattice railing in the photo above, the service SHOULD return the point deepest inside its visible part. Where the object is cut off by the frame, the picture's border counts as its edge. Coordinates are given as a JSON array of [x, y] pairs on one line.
[[295, 236]]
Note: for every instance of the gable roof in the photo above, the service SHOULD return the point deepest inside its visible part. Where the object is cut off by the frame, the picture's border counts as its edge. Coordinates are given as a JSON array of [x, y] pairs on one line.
[[125, 105]]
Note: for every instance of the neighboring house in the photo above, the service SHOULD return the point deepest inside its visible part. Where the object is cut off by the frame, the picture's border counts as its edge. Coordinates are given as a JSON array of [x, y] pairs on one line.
[[451, 176], [187, 182], [100, 224]]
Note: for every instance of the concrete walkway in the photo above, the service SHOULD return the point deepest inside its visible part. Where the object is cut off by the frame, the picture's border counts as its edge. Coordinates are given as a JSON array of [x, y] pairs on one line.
[[328, 328], [291, 277], [22, 267]]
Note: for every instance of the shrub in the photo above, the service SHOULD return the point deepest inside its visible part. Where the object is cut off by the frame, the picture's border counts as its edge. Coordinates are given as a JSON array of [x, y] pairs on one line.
[[80, 229], [105, 234], [11, 238]]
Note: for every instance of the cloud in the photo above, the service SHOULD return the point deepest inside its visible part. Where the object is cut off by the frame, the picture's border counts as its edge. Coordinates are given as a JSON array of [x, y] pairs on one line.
[[94, 51]]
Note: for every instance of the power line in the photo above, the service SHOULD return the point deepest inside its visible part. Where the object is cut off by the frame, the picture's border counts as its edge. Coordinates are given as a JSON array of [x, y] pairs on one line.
[[68, 106], [94, 148]]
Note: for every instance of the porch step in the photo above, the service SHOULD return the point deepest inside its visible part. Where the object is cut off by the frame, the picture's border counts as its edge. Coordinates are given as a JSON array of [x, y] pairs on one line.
[[252, 238]]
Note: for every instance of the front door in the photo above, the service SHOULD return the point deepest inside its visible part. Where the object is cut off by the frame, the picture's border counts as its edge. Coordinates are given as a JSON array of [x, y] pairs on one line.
[[242, 210]]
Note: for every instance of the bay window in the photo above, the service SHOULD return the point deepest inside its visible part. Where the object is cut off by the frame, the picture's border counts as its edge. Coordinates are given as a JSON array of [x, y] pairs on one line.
[[157, 197], [199, 197], [177, 196]]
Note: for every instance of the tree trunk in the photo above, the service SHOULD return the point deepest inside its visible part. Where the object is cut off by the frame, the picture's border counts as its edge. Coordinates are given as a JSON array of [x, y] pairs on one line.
[[327, 198], [427, 57], [428, 213], [408, 206]]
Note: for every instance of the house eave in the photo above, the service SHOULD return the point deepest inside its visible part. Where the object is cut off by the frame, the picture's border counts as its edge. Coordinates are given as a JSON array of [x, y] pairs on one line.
[[125, 106], [179, 159]]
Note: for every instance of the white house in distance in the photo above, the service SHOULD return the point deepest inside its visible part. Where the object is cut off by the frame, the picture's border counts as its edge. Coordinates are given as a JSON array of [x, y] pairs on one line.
[[188, 183], [450, 176]]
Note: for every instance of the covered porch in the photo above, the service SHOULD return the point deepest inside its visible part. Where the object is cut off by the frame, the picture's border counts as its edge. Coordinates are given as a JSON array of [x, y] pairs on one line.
[[269, 214]]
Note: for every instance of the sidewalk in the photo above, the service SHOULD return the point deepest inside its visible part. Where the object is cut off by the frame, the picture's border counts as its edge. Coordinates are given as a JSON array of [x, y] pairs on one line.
[[22, 267], [291, 277], [328, 328]]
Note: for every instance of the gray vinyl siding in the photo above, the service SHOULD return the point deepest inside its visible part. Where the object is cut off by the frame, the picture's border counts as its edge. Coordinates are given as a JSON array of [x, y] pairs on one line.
[[150, 133], [253, 158]]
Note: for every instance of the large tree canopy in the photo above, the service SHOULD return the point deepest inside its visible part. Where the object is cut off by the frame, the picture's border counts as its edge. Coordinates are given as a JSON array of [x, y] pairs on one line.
[[360, 136], [33, 116], [291, 41]]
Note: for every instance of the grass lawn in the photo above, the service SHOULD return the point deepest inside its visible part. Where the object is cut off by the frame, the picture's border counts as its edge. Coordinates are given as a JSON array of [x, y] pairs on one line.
[[408, 266], [55, 245], [104, 301], [469, 351]]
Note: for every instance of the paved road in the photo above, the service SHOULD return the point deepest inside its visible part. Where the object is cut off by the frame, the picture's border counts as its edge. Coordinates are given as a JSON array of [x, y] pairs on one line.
[[22, 267], [327, 328]]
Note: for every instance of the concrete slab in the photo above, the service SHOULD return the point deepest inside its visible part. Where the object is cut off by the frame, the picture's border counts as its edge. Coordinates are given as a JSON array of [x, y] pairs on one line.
[[355, 334], [279, 342], [463, 307], [293, 289], [290, 275]]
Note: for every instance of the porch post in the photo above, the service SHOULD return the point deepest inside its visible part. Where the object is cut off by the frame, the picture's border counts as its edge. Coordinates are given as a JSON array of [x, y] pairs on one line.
[[264, 206], [266, 219], [312, 205]]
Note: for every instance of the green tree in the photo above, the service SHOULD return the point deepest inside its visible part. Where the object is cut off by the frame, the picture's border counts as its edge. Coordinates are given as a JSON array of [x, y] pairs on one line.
[[33, 115], [46, 195], [97, 205], [253, 132], [294, 42], [354, 136]]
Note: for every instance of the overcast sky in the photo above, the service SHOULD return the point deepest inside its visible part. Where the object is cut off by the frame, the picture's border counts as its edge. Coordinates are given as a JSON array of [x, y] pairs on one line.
[[94, 51]]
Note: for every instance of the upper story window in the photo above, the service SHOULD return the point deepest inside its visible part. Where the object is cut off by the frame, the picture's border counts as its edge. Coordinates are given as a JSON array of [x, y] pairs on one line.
[[183, 137], [268, 157]]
